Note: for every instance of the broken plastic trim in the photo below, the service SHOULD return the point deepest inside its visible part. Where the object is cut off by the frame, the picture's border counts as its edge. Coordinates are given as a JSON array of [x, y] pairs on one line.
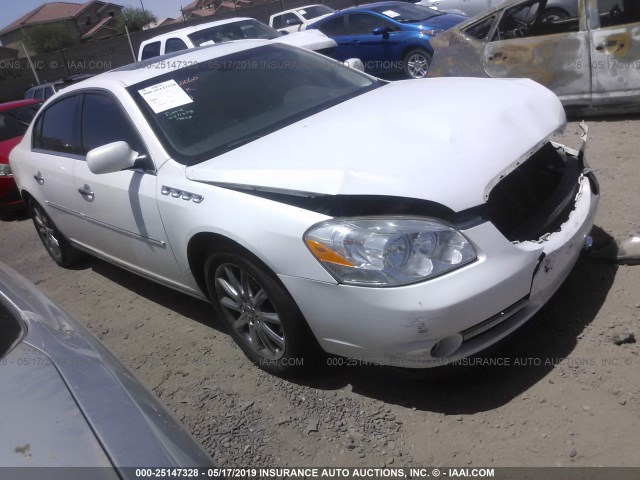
[[536, 198]]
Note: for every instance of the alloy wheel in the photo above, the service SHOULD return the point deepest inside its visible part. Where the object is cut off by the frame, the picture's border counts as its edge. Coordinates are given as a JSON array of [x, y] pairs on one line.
[[47, 233], [253, 316], [417, 65]]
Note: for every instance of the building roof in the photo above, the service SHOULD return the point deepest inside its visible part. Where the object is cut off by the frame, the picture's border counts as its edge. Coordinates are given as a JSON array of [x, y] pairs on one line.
[[50, 12], [98, 26]]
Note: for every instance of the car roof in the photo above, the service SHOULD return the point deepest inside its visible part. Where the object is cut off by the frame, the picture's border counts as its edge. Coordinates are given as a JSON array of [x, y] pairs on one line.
[[196, 28], [370, 6], [18, 103], [139, 72]]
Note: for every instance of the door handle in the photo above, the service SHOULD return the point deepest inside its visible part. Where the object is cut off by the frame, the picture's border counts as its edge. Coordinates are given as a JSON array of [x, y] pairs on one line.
[[86, 192], [610, 46], [497, 56], [39, 178], [356, 42]]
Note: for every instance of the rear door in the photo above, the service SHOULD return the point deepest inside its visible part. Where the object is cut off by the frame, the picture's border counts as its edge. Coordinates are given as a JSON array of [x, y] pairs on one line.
[[615, 52], [336, 28], [54, 151], [553, 52]]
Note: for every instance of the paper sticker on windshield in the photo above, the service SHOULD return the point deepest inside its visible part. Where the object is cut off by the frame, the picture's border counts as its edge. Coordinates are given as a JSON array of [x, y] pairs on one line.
[[164, 96], [302, 12], [391, 13]]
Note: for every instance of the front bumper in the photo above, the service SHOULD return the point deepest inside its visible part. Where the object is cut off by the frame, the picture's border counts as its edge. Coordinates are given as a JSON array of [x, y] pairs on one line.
[[453, 316]]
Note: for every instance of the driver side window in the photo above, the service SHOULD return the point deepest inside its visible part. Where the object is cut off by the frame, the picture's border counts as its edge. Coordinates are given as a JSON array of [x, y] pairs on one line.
[[530, 20], [104, 122], [361, 23]]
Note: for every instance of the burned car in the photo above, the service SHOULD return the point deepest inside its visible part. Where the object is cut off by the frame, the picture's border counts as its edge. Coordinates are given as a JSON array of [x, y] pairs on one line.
[[388, 236], [590, 60]]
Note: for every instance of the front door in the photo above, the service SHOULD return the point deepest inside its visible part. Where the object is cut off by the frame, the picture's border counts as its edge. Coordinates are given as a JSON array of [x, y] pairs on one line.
[[120, 210], [553, 52]]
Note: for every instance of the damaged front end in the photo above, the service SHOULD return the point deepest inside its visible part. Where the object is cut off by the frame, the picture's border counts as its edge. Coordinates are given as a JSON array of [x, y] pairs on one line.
[[536, 197]]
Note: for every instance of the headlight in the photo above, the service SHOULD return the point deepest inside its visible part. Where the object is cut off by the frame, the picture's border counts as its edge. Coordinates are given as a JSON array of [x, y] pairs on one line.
[[5, 170], [387, 251]]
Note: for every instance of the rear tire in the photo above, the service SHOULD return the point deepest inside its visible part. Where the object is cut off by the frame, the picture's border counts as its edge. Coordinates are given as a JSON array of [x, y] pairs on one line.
[[261, 316], [54, 242]]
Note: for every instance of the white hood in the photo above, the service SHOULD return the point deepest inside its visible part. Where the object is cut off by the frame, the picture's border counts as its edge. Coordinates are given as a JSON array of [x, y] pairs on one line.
[[309, 39], [441, 139]]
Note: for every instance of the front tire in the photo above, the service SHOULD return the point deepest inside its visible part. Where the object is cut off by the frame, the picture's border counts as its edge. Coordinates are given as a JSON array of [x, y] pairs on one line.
[[416, 63], [54, 242], [262, 317]]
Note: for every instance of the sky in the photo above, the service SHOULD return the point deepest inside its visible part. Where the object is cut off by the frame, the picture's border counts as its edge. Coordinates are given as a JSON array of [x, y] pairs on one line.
[[14, 9]]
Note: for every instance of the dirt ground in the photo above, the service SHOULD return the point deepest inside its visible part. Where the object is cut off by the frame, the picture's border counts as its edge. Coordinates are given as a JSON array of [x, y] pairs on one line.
[[565, 394]]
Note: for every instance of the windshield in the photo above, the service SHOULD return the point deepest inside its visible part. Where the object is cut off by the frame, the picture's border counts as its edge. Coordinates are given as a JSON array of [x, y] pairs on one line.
[[315, 11], [407, 12], [204, 111], [241, 30], [13, 123]]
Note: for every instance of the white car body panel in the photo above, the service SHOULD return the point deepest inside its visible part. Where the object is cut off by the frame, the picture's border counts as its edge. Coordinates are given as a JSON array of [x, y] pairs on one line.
[[353, 164], [349, 149], [304, 22], [308, 40]]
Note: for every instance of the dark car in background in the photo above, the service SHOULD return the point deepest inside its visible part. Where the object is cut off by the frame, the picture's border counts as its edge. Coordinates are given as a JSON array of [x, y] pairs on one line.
[[69, 402], [387, 36], [15, 118], [45, 91]]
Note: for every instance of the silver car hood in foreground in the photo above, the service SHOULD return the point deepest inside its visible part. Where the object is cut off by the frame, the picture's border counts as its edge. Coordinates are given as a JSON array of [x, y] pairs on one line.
[[69, 402], [441, 139]]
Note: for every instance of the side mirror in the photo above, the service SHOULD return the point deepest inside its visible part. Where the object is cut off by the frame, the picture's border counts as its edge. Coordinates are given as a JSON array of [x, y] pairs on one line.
[[111, 157], [291, 22], [354, 63], [381, 31]]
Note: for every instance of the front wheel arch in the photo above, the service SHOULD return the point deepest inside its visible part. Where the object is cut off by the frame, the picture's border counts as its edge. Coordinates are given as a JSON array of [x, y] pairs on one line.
[[203, 244]]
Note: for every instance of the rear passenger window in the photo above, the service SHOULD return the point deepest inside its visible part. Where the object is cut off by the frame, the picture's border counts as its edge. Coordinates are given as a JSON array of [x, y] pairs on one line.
[[38, 94], [151, 50], [174, 45], [335, 26], [278, 22], [618, 12], [55, 129], [103, 122]]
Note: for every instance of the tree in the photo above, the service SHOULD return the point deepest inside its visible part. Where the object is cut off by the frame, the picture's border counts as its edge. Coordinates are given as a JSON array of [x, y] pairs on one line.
[[49, 38], [136, 19]]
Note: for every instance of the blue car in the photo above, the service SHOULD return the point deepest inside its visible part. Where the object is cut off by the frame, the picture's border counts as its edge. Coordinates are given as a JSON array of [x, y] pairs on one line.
[[387, 36]]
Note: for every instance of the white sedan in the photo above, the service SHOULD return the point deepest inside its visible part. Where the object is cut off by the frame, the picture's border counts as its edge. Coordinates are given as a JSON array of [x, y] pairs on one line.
[[319, 209]]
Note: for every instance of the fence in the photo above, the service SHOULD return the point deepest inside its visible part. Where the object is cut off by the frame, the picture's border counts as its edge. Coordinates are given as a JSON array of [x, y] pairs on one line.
[[16, 75]]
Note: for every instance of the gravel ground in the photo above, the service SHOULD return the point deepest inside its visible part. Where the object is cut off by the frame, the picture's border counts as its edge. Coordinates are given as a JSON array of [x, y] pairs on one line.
[[567, 391]]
